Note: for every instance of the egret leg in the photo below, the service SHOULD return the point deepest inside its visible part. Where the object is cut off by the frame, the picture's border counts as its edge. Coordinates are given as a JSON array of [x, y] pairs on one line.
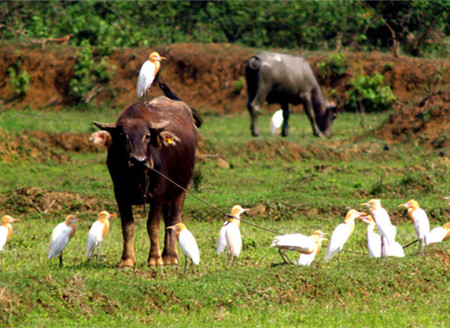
[[282, 255], [185, 263], [98, 251], [288, 258], [339, 261], [60, 260], [382, 247], [229, 258]]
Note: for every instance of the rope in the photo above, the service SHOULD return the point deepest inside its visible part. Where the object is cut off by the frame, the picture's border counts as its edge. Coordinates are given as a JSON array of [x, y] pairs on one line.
[[411, 243], [212, 205]]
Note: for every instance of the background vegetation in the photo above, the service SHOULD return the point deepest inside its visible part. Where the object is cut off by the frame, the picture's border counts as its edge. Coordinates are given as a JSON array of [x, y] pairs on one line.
[[417, 27]]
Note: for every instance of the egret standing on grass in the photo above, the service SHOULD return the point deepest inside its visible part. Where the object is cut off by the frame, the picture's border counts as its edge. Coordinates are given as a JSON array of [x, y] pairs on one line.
[[276, 121], [6, 230], [439, 234], [147, 74], [61, 236], [421, 223], [97, 233], [187, 243], [307, 246], [374, 241], [341, 234], [230, 235], [384, 225]]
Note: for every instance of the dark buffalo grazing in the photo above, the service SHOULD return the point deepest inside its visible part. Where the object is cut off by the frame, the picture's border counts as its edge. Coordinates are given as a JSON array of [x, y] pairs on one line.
[[159, 135], [285, 79]]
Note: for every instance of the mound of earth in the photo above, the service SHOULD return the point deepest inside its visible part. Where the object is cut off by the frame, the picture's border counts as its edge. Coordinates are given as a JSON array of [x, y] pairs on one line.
[[210, 77], [42, 147], [428, 122], [38, 200]]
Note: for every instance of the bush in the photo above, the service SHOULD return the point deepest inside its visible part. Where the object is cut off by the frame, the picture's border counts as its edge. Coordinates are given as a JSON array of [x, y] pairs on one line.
[[89, 73], [369, 94], [334, 67], [20, 83]]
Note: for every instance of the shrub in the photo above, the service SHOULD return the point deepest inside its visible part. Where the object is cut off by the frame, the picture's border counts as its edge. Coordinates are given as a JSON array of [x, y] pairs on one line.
[[334, 67], [369, 94], [89, 73], [20, 83]]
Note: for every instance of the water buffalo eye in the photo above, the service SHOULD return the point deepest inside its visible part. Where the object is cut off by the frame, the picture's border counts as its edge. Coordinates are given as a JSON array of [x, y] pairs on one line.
[[147, 137]]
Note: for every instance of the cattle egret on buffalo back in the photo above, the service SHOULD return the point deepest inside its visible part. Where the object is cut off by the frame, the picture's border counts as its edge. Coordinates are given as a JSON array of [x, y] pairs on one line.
[[341, 234], [230, 235], [187, 243], [384, 225], [439, 234], [98, 231], [6, 230], [421, 223], [61, 236], [307, 246], [276, 121], [147, 74]]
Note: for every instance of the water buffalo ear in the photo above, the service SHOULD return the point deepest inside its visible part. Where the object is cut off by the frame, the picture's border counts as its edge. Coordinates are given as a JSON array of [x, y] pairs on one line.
[[166, 138], [101, 138], [105, 126]]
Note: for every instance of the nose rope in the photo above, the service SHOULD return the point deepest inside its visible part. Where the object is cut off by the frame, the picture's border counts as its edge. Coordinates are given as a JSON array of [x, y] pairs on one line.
[[213, 206]]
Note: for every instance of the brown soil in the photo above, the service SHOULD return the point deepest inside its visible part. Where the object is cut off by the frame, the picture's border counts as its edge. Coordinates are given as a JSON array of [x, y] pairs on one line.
[[38, 200], [208, 78], [41, 146]]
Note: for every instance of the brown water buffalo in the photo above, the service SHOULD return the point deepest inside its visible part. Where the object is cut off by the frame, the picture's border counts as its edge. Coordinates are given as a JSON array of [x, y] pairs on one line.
[[285, 79], [160, 135]]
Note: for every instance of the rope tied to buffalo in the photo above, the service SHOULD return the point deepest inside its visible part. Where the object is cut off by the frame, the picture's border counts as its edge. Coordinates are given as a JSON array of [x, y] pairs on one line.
[[212, 205]]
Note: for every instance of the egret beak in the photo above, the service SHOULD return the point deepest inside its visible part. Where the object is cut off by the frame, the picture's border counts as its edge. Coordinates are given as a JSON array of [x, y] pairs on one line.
[[113, 215], [161, 57], [171, 227], [404, 205], [364, 204]]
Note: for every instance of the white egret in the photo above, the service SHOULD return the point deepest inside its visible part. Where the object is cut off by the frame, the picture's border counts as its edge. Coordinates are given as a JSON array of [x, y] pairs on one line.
[[6, 230], [421, 223], [61, 236], [307, 246], [187, 243], [276, 121], [230, 237], [147, 74], [98, 231], [341, 234], [439, 234], [384, 225]]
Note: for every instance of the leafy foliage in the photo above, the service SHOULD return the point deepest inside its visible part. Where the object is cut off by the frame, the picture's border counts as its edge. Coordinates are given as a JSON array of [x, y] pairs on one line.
[[19, 82], [369, 94], [334, 67], [89, 73], [420, 25]]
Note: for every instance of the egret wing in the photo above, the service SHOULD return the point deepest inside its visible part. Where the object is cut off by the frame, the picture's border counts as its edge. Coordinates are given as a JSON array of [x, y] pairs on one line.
[[295, 242], [145, 79], [221, 240], [95, 237], [234, 238], [58, 240], [436, 235]]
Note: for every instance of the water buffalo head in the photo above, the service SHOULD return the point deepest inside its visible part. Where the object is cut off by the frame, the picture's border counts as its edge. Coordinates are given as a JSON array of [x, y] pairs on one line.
[[131, 139], [325, 119]]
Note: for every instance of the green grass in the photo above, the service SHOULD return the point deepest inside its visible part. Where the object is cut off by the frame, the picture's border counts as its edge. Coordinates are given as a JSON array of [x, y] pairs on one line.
[[294, 184]]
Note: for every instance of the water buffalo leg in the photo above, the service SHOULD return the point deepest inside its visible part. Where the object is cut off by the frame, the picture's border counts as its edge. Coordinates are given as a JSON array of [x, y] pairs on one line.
[[126, 215], [172, 216], [286, 114], [153, 228], [311, 115], [254, 106]]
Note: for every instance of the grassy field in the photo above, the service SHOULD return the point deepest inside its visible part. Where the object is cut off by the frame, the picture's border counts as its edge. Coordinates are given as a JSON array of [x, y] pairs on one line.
[[294, 184]]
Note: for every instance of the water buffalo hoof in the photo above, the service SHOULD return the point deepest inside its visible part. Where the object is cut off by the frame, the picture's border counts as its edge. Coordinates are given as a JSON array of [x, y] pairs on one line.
[[318, 134], [155, 261], [127, 263], [171, 260]]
